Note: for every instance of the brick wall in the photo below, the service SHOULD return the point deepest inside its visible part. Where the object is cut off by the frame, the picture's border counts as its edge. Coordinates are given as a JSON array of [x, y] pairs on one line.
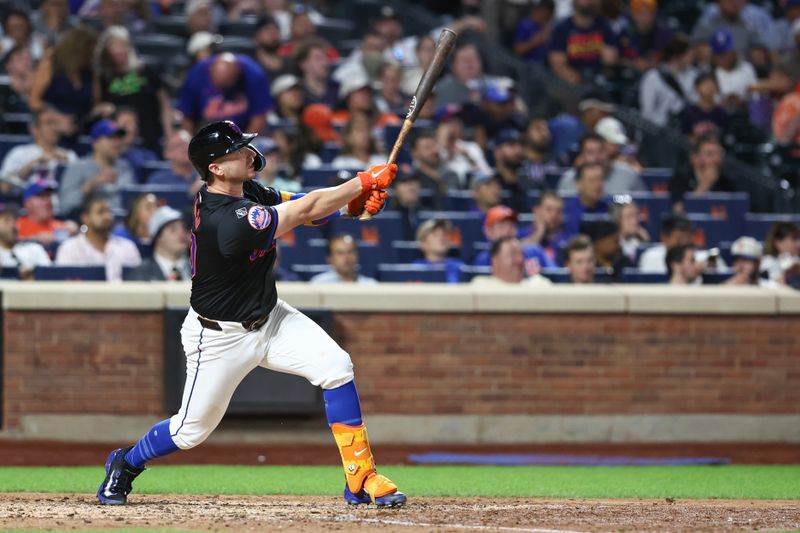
[[82, 362], [110, 362]]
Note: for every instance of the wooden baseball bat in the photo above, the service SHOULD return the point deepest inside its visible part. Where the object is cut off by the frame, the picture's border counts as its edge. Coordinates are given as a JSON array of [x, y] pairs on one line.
[[447, 39]]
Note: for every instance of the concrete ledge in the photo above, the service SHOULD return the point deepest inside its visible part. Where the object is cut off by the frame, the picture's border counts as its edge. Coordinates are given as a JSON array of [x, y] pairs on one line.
[[398, 297], [788, 301], [700, 300], [82, 296], [558, 299], [86, 428]]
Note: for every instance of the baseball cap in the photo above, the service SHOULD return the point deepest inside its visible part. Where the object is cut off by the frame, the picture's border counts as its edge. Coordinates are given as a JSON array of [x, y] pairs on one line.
[[106, 128], [405, 175], [722, 41], [446, 112], [351, 85], [497, 94], [595, 102], [507, 135], [497, 214], [318, 118], [388, 12], [427, 227], [747, 248], [194, 5], [481, 178], [650, 5], [283, 83], [160, 218], [38, 187], [611, 129], [201, 40], [598, 229]]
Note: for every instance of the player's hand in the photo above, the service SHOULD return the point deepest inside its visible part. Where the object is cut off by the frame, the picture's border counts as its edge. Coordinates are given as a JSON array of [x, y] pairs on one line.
[[376, 202], [377, 177]]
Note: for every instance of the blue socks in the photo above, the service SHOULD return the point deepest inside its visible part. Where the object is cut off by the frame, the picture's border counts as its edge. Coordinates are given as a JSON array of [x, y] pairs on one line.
[[342, 405], [155, 443]]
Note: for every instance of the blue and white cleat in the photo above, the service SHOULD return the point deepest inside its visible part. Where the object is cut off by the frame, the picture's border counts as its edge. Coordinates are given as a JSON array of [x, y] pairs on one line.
[[119, 478], [377, 489]]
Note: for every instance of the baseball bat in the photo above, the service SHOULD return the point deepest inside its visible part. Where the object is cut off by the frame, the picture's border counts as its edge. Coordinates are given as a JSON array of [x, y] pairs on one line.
[[447, 39]]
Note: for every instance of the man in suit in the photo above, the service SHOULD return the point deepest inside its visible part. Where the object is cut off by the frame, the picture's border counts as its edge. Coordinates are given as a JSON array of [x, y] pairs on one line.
[[170, 260]]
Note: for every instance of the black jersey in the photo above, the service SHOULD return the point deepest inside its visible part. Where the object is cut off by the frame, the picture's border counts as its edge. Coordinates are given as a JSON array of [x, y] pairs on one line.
[[233, 252]]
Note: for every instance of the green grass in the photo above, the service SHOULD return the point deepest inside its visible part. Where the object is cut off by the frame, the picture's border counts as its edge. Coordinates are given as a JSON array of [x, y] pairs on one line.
[[735, 482]]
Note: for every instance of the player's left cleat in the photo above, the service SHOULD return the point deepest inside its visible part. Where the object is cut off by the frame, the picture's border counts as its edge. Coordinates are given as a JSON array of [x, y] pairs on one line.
[[119, 478], [377, 489]]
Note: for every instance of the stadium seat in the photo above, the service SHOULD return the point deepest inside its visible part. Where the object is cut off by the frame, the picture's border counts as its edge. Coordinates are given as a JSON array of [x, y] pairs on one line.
[[758, 224], [458, 200], [175, 197], [406, 251], [329, 151], [335, 30], [731, 207], [651, 207], [656, 179], [159, 45], [468, 272], [406, 273], [552, 177], [710, 231], [245, 27], [306, 272], [324, 176], [149, 167], [633, 275], [237, 45], [10, 140], [18, 123], [302, 251], [170, 25], [467, 229], [9, 273], [380, 231], [70, 273], [715, 278]]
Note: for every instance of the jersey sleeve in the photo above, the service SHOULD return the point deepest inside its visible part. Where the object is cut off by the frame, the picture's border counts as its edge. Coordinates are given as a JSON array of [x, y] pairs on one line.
[[247, 226], [261, 194]]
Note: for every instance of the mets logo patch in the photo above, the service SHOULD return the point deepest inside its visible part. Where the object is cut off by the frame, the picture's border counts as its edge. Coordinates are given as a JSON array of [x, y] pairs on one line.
[[258, 217]]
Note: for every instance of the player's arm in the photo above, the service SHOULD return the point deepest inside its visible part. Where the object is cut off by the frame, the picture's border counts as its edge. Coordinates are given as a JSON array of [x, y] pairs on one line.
[[320, 203]]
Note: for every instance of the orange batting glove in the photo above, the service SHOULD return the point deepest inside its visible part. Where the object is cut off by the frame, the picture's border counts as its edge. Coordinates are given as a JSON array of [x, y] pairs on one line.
[[370, 201], [377, 177]]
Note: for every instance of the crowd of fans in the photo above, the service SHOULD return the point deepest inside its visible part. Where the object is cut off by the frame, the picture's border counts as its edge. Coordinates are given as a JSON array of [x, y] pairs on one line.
[[103, 118]]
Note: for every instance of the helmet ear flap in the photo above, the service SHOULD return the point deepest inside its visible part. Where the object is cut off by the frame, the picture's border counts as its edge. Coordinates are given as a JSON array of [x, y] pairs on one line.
[[260, 161]]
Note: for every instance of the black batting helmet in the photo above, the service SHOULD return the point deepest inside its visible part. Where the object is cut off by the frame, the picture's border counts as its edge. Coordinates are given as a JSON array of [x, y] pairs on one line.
[[218, 139]]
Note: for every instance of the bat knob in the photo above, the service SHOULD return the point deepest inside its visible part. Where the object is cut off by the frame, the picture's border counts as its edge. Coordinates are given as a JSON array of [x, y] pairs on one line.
[[365, 216]]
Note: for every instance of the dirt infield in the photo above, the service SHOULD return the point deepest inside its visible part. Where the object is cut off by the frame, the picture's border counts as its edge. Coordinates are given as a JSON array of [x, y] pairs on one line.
[[312, 513], [50, 453]]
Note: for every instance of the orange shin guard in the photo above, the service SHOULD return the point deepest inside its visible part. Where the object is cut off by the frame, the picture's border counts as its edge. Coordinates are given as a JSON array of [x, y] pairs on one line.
[[356, 454]]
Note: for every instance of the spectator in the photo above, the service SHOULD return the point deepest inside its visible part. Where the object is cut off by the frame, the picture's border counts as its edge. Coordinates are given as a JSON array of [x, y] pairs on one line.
[[389, 27], [533, 32], [548, 229], [52, 20], [288, 96], [618, 147], [427, 163], [781, 260], [303, 29], [136, 226], [18, 31], [39, 159], [137, 156], [682, 267], [406, 200], [424, 51], [202, 45], [619, 177], [589, 199], [786, 119], [787, 27], [343, 258], [390, 99], [592, 109], [704, 175], [15, 94], [607, 249], [666, 89], [95, 245], [582, 44], [486, 191], [497, 110], [675, 230], [625, 214], [201, 15], [181, 172], [124, 81], [313, 67], [365, 61], [101, 172], [466, 80], [434, 243], [501, 222], [644, 39], [579, 260], [537, 149], [508, 266], [25, 256], [459, 155], [39, 223], [225, 87], [734, 76], [355, 98], [170, 260], [509, 164], [746, 252], [267, 41], [728, 18], [359, 147], [296, 149], [705, 116], [64, 78]]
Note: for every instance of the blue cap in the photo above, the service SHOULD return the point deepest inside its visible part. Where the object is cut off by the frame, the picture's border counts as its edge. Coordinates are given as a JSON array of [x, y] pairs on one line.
[[106, 128], [722, 41], [38, 187], [505, 136], [447, 111], [497, 94]]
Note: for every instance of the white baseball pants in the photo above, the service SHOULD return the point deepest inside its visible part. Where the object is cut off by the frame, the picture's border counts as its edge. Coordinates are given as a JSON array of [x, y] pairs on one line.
[[217, 361]]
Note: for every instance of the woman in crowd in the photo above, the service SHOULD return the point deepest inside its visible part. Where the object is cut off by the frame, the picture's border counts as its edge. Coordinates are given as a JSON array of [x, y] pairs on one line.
[[625, 214], [359, 147], [15, 96], [781, 260], [135, 227]]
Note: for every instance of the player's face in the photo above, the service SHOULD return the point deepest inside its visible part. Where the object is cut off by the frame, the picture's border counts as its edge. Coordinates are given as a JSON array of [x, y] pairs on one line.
[[581, 266], [237, 165]]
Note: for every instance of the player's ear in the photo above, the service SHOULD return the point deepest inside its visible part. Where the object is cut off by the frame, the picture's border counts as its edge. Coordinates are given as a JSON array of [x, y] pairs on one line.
[[215, 170]]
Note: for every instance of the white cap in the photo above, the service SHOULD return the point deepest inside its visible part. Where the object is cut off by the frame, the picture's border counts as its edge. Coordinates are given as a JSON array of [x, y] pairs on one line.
[[611, 130], [351, 85], [283, 83], [194, 5], [161, 217], [746, 247], [200, 40]]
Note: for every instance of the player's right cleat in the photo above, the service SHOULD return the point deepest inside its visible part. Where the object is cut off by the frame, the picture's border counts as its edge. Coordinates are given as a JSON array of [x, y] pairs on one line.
[[119, 478], [377, 489]]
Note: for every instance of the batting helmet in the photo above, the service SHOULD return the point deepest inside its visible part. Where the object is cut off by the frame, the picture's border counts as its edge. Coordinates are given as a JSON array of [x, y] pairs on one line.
[[218, 139]]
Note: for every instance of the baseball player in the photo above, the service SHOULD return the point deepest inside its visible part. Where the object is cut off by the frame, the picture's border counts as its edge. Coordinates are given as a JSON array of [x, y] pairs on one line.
[[237, 322]]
